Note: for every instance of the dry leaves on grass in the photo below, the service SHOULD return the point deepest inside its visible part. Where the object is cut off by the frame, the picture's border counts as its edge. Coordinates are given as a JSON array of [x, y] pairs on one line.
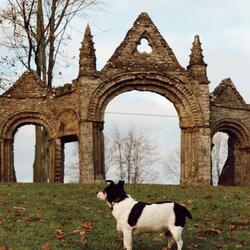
[[82, 234], [19, 209], [241, 244], [59, 234], [75, 232], [46, 246], [87, 226], [208, 232], [5, 248], [242, 225]]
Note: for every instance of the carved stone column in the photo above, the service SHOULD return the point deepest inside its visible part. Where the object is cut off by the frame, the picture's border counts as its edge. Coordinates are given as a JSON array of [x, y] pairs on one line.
[[9, 171], [2, 160], [247, 167], [56, 168], [195, 156], [242, 166], [98, 151], [86, 153], [51, 166]]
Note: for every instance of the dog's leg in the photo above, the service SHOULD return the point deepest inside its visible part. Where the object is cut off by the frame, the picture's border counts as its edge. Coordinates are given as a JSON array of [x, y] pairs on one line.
[[176, 233], [127, 239], [170, 239]]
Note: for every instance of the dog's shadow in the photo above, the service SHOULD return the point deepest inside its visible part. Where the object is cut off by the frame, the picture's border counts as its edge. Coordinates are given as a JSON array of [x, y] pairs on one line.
[[151, 242]]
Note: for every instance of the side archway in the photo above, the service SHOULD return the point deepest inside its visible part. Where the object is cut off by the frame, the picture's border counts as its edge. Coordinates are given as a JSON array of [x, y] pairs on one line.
[[236, 166], [12, 123], [7, 132]]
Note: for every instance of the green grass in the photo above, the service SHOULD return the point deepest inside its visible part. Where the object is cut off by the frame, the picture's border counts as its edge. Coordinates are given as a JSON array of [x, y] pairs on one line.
[[32, 214]]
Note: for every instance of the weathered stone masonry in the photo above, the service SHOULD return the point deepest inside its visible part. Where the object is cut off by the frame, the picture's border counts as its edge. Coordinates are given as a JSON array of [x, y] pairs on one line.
[[76, 111]]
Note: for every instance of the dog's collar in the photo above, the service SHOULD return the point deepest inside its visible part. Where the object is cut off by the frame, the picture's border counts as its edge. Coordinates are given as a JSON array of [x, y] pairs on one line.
[[117, 201]]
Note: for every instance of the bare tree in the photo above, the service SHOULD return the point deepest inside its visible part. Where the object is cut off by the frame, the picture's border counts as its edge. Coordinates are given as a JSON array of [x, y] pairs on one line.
[[133, 155], [130, 155], [171, 164], [109, 159], [35, 31]]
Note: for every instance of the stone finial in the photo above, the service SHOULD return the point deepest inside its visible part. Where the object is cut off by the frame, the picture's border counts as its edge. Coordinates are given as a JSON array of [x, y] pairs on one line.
[[196, 57], [143, 16], [197, 66], [87, 60]]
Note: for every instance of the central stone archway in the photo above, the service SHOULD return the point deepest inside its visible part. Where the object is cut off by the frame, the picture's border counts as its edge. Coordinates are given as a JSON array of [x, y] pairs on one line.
[[172, 88], [185, 102]]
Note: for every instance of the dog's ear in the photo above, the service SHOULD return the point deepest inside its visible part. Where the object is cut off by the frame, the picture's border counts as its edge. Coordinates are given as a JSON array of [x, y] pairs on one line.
[[110, 182], [121, 183]]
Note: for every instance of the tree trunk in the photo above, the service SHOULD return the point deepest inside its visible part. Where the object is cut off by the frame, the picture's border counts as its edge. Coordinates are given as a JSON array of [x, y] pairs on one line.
[[40, 165]]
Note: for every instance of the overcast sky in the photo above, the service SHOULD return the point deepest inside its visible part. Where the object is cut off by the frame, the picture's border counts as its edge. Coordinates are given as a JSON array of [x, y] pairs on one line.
[[224, 30]]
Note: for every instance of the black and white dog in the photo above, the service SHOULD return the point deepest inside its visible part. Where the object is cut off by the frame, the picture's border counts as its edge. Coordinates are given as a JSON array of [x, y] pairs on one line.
[[135, 217]]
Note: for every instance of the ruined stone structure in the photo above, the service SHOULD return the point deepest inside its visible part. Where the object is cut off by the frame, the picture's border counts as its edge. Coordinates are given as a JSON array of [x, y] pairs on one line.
[[75, 112]]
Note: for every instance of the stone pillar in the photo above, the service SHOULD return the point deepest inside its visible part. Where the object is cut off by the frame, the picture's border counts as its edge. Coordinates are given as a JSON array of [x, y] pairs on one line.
[[98, 144], [2, 165], [56, 161], [242, 166], [247, 166], [51, 166], [86, 153], [195, 156], [9, 171]]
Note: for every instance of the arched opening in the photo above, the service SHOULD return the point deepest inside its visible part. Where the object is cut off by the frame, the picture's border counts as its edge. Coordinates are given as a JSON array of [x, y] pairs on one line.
[[195, 137], [24, 155], [67, 131], [70, 159], [219, 155], [232, 137], [24, 143], [144, 126]]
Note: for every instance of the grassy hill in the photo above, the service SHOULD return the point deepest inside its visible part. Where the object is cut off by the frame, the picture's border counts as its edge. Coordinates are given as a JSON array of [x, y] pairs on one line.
[[49, 216]]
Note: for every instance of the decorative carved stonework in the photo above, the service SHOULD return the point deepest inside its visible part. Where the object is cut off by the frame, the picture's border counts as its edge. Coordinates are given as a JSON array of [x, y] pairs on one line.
[[68, 123]]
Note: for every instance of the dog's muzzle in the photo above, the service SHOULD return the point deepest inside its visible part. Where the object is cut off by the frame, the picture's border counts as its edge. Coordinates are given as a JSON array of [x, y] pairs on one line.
[[101, 196]]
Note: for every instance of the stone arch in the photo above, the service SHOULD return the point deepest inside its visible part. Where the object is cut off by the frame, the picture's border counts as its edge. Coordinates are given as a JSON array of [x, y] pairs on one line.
[[236, 166], [193, 131], [13, 122], [173, 89], [232, 126], [7, 131]]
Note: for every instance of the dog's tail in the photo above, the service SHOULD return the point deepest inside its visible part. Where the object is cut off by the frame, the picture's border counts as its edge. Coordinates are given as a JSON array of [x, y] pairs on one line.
[[187, 213], [181, 213]]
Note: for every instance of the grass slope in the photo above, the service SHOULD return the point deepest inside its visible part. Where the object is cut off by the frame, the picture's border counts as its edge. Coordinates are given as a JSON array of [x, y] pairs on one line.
[[49, 216]]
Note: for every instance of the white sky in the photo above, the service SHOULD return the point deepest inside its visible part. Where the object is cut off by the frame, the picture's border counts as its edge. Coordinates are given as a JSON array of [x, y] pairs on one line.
[[224, 30]]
